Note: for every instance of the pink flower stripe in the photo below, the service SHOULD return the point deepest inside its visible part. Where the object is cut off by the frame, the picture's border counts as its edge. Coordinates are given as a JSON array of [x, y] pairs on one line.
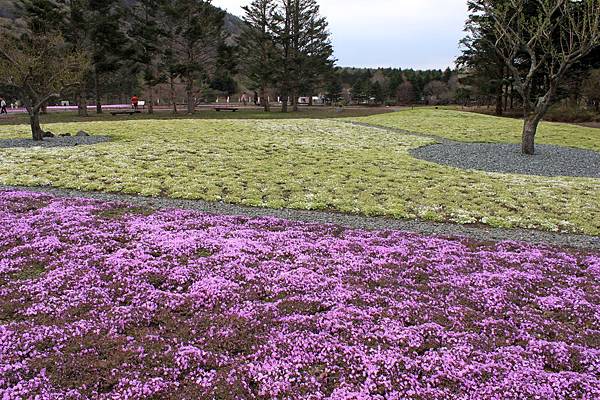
[[107, 301]]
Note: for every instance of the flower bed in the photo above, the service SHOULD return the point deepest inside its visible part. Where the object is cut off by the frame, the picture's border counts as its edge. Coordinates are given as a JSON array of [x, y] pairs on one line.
[[102, 300]]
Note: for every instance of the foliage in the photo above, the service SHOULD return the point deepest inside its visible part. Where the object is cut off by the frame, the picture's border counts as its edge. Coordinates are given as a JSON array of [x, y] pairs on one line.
[[302, 38], [486, 70], [302, 164], [258, 48], [195, 35], [201, 306], [148, 42]]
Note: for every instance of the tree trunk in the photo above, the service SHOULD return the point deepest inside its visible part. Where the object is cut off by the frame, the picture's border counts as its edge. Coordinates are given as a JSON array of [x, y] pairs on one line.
[[173, 99], [294, 101], [499, 109], [284, 103], [34, 120], [529, 130], [191, 103], [310, 100], [265, 99], [97, 92], [82, 103], [151, 101]]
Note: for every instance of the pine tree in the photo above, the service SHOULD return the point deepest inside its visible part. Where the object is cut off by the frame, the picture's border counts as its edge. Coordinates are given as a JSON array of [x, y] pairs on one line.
[[76, 32], [195, 33], [42, 16], [258, 48], [104, 20], [479, 57], [333, 87], [306, 53], [148, 43]]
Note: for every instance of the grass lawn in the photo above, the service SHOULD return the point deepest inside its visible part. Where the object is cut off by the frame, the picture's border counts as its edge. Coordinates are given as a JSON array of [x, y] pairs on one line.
[[304, 164], [102, 301], [472, 127]]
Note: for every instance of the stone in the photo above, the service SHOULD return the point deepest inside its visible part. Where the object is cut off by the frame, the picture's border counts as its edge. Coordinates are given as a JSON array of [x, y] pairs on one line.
[[82, 133], [49, 134]]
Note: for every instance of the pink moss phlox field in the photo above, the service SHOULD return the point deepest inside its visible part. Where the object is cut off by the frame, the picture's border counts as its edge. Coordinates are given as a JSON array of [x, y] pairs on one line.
[[102, 301]]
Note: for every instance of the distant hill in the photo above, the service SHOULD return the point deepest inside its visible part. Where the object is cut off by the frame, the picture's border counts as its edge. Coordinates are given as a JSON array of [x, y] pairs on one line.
[[8, 13], [7, 8]]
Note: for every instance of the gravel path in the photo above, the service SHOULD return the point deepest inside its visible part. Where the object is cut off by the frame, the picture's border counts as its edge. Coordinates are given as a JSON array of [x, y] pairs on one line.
[[549, 160], [479, 233], [507, 158], [66, 141]]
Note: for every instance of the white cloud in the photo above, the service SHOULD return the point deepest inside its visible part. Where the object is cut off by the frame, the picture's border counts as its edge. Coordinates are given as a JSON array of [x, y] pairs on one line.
[[407, 33]]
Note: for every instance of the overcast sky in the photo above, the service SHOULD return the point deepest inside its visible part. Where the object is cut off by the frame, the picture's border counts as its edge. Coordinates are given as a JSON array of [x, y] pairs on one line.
[[418, 34]]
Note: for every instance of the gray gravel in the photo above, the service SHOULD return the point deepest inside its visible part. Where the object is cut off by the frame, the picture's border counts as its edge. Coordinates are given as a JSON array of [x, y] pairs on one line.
[[479, 233], [549, 160], [66, 141], [507, 158]]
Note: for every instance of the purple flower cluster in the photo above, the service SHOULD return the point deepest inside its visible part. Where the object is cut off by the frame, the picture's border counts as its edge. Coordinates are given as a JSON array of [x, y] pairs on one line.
[[106, 301]]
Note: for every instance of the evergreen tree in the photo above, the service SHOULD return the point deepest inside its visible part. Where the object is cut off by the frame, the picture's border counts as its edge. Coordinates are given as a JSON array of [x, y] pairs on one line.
[[148, 43], [42, 16], [195, 34], [302, 37], [105, 21], [333, 88], [258, 48], [485, 68], [76, 31], [377, 92]]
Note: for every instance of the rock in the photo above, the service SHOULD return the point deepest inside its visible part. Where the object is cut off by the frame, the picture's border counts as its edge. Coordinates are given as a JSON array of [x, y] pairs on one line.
[[82, 133], [49, 134], [67, 134]]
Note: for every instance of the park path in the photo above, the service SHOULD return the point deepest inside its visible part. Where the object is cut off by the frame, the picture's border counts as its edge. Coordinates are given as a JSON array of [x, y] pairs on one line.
[[449, 230]]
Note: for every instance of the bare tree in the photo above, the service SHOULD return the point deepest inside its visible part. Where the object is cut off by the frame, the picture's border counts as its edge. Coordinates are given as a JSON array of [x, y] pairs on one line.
[[436, 92], [540, 40], [39, 68], [405, 94]]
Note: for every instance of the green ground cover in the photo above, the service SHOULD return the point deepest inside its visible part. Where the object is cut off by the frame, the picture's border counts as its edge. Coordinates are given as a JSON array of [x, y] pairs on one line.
[[304, 164], [472, 127]]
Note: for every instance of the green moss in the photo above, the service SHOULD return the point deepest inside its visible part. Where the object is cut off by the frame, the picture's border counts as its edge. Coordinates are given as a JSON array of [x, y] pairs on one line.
[[32, 270], [303, 164], [120, 212], [472, 127]]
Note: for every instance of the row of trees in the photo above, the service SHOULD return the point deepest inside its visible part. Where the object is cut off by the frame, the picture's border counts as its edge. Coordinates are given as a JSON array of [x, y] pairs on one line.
[[534, 50], [396, 86], [284, 45]]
